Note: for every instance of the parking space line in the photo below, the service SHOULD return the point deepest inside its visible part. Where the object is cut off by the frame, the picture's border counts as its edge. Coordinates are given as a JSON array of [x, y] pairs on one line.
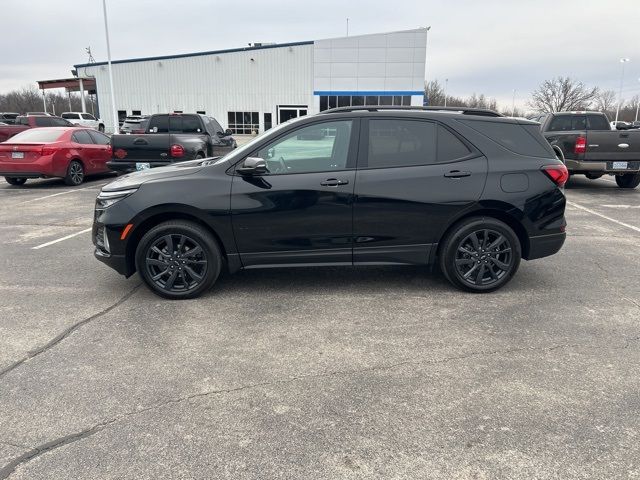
[[61, 239], [632, 227], [63, 193]]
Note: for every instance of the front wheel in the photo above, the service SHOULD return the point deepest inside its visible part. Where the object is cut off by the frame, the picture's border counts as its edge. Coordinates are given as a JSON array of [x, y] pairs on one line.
[[628, 180], [480, 255], [75, 174], [101, 128], [15, 180], [178, 260]]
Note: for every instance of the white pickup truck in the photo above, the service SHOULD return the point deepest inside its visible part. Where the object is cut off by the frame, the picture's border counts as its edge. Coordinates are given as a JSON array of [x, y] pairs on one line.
[[84, 120]]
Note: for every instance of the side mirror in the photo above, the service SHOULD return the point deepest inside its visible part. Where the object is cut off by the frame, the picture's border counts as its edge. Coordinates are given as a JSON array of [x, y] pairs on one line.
[[252, 166], [228, 132]]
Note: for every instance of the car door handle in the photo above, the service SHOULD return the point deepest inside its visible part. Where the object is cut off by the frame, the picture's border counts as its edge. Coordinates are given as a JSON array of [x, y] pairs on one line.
[[333, 182], [457, 174], [140, 141]]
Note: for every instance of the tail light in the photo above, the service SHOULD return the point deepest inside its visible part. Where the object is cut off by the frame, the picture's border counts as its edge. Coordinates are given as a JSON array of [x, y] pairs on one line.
[[580, 146], [48, 151], [558, 174], [109, 150], [177, 151]]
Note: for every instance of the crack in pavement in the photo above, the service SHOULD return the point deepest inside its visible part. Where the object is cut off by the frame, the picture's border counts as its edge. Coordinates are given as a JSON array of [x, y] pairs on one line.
[[39, 450], [66, 332]]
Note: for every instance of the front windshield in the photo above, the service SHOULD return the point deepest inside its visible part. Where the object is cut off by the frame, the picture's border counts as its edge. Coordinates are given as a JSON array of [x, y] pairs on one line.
[[249, 146]]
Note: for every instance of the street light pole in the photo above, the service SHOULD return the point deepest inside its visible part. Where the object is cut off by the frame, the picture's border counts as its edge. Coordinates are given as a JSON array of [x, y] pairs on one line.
[[513, 104], [426, 46], [637, 105], [622, 61], [114, 113], [446, 84]]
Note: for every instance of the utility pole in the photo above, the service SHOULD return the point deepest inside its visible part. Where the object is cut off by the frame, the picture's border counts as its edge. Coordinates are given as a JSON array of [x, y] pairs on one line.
[[113, 98], [622, 61], [426, 101], [446, 84]]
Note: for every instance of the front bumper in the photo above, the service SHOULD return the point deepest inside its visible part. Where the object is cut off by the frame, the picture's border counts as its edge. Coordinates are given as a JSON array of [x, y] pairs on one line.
[[117, 262], [577, 166], [545, 245]]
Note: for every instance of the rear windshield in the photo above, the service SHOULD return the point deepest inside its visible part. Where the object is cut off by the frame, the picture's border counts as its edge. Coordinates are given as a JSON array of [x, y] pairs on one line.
[[74, 116], [38, 135], [520, 139], [567, 123]]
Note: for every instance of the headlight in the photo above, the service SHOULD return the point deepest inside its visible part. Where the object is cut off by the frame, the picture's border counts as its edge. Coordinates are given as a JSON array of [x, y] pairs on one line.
[[106, 199]]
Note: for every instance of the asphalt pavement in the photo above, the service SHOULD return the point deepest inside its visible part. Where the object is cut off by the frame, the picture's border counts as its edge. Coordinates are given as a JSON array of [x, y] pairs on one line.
[[373, 372]]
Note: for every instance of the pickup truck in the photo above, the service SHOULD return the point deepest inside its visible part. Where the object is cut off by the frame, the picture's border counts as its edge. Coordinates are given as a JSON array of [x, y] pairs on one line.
[[26, 122], [82, 119], [587, 145], [169, 138]]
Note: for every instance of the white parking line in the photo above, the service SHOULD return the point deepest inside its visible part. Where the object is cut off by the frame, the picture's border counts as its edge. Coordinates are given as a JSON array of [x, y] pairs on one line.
[[632, 227], [61, 239], [621, 206], [63, 193]]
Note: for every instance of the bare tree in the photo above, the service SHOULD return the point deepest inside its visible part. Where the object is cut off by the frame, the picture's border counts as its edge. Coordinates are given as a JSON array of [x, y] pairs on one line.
[[434, 93], [606, 101], [29, 99], [562, 94]]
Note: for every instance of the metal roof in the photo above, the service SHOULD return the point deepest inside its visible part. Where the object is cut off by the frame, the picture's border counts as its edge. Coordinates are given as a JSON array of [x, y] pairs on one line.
[[196, 54]]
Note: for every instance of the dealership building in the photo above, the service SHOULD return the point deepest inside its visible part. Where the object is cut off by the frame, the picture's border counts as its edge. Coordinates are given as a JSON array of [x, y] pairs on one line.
[[254, 88]]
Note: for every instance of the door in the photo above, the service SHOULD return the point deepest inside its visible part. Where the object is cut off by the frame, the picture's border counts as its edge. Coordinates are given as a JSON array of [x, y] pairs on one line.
[[220, 143], [300, 212], [289, 112], [89, 152], [89, 120], [103, 150], [413, 177]]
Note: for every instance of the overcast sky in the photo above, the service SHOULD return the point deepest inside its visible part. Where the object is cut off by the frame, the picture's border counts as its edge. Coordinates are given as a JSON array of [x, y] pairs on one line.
[[482, 46]]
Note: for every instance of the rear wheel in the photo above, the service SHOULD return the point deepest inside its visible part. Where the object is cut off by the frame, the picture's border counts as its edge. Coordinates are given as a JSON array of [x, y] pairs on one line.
[[75, 173], [178, 259], [628, 180], [480, 254], [15, 180]]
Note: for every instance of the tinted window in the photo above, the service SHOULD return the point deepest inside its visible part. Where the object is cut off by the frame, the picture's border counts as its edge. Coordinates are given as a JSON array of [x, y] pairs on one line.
[[88, 116], [401, 143], [565, 123], [73, 116], [59, 122], [215, 124], [159, 124], [520, 139], [319, 147], [43, 122], [175, 124], [44, 135], [598, 122], [83, 137], [450, 147], [99, 138], [191, 124]]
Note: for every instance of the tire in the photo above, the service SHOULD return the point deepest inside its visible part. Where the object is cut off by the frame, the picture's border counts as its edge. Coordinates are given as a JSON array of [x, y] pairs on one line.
[[101, 128], [184, 275], [593, 176], [199, 156], [496, 267], [628, 180], [17, 181], [75, 174]]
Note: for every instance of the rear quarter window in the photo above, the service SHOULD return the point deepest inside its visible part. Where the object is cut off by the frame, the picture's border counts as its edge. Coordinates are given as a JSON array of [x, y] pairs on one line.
[[597, 122], [519, 139]]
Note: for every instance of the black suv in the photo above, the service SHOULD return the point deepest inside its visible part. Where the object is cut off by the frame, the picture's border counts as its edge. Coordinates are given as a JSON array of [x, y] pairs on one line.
[[467, 190]]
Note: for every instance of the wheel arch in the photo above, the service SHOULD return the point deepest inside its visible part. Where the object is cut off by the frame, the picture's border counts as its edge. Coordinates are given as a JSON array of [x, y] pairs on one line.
[[501, 215]]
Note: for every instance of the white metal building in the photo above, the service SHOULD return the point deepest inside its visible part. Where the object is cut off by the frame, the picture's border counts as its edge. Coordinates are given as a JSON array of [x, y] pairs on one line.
[[253, 88]]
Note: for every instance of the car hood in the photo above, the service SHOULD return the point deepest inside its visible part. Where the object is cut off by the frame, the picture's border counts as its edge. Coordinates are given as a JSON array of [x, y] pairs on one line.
[[135, 179]]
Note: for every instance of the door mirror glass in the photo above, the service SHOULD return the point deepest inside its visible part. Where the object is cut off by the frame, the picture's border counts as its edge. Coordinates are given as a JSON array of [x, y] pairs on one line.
[[252, 166]]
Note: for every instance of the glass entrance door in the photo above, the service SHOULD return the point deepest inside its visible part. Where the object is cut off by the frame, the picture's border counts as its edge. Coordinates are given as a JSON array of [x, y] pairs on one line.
[[287, 112]]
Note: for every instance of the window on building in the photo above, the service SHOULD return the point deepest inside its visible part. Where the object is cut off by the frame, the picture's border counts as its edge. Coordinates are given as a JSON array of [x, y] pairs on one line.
[[122, 115], [136, 112], [243, 122], [268, 122], [201, 112], [401, 143], [333, 101], [177, 111]]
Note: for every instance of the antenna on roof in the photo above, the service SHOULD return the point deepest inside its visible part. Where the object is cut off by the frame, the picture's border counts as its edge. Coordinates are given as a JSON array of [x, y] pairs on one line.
[[91, 59]]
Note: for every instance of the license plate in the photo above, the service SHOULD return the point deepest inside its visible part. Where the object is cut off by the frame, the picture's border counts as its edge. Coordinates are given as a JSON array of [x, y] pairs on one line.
[[17, 154], [142, 166], [619, 165]]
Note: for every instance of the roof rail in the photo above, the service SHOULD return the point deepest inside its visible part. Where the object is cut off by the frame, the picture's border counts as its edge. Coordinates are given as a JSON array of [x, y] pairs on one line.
[[377, 108]]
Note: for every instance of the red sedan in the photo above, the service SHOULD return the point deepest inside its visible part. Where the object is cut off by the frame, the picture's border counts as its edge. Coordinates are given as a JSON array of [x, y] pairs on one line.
[[66, 152]]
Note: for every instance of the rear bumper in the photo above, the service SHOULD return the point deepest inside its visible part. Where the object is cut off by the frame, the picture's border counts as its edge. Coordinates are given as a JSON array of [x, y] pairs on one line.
[[600, 166], [545, 245], [23, 174], [126, 167]]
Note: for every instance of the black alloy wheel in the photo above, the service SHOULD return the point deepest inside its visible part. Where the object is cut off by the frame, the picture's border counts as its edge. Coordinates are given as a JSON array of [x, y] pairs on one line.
[[15, 180], [628, 180], [178, 259], [75, 173], [480, 254]]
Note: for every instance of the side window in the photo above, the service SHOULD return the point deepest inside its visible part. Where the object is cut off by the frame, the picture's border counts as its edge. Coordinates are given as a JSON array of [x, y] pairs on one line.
[[88, 116], [401, 143], [191, 124], [597, 122], [450, 147], [320, 147], [82, 137], [99, 138], [175, 123], [43, 122], [215, 124], [159, 124], [59, 122]]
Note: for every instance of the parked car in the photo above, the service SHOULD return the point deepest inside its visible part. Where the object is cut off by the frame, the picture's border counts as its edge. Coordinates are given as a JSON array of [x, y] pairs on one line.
[[84, 120], [353, 186], [586, 144], [70, 153], [23, 123], [135, 124], [39, 114], [169, 138], [620, 125], [8, 117]]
